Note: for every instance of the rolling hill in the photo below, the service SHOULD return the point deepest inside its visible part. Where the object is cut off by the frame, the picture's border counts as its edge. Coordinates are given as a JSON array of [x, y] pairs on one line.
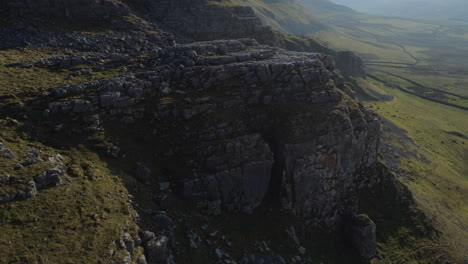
[[413, 9]]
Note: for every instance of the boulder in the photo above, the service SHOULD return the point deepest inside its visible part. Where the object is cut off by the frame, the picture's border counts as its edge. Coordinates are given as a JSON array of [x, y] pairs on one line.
[[161, 220], [32, 157], [157, 249], [5, 152], [143, 173], [362, 234], [142, 260], [49, 178]]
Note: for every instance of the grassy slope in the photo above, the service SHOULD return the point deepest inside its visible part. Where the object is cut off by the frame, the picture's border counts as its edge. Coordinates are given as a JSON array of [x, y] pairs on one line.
[[39, 229], [414, 49], [440, 187], [435, 57], [284, 16], [431, 54]]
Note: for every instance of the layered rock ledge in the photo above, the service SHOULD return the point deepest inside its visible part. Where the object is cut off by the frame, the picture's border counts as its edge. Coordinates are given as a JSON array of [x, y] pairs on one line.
[[242, 118]]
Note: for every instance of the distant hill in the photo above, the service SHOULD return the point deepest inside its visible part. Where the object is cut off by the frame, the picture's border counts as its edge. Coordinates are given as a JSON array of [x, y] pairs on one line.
[[419, 9], [282, 15], [321, 6]]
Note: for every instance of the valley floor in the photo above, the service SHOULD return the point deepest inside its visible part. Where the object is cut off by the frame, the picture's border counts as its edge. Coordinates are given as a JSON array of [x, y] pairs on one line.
[[417, 80]]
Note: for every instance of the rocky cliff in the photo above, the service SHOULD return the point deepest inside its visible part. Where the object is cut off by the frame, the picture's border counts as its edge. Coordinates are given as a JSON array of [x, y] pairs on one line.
[[203, 20], [238, 109], [349, 64], [83, 10], [201, 130]]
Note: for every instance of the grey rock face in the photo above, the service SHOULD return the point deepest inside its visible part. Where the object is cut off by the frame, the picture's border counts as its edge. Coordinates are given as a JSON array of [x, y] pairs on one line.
[[247, 95], [347, 62], [320, 172], [292, 234], [362, 233], [350, 64], [114, 151], [142, 173], [142, 259], [237, 184], [157, 249], [163, 222], [129, 243], [201, 21], [256, 259], [5, 152], [68, 9], [24, 191], [32, 157], [193, 238], [50, 177]]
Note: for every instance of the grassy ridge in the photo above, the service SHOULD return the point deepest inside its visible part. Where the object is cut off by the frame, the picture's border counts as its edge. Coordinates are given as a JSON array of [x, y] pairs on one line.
[[441, 186], [432, 55], [75, 222], [281, 15]]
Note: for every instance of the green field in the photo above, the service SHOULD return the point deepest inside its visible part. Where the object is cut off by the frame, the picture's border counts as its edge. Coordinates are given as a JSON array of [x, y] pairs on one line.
[[411, 61], [429, 54], [285, 16], [421, 86]]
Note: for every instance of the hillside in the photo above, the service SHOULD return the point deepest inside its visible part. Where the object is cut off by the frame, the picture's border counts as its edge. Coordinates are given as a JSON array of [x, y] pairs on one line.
[[420, 66], [411, 9], [182, 131], [282, 15]]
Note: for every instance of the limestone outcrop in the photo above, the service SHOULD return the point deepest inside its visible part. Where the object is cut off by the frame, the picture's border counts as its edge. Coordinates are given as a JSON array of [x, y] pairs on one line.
[[228, 125], [245, 119], [202, 20], [362, 233], [82, 10]]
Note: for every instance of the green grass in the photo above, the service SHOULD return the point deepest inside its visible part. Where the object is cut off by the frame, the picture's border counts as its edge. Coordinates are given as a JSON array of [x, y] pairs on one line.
[[367, 48], [440, 187], [284, 16], [58, 224], [17, 80]]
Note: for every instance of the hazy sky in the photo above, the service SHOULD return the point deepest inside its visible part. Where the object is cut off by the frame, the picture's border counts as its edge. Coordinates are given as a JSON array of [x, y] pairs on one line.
[[427, 9]]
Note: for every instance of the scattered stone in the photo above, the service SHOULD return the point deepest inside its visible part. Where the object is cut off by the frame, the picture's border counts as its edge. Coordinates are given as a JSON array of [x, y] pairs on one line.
[[146, 236], [193, 238], [164, 186], [129, 243], [127, 259], [32, 157], [161, 220], [141, 259], [213, 208], [6, 153], [27, 190], [256, 259], [142, 173], [291, 231], [113, 152], [457, 134], [157, 249], [4, 179], [219, 253], [302, 250], [50, 177]]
